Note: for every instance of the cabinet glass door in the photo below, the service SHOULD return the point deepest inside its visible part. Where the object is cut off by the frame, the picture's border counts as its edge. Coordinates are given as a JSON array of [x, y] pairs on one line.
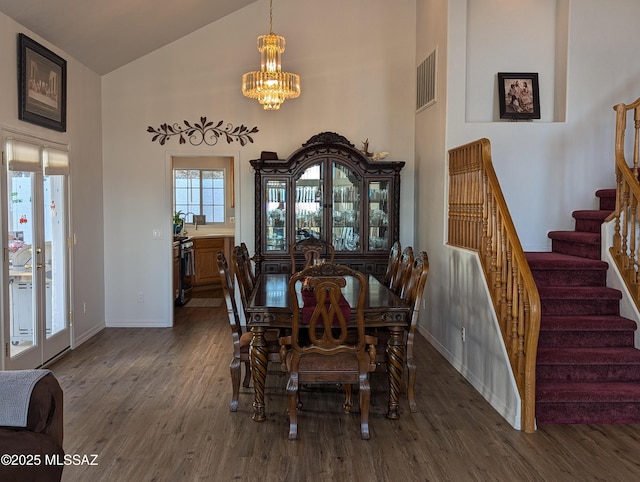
[[276, 215], [309, 204], [378, 215], [346, 209]]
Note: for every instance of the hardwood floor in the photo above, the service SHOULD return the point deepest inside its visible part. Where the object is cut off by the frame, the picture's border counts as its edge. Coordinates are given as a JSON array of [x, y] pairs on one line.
[[153, 404]]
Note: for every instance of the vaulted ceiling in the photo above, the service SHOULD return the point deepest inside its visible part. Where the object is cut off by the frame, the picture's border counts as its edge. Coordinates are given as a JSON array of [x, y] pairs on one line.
[[105, 35]]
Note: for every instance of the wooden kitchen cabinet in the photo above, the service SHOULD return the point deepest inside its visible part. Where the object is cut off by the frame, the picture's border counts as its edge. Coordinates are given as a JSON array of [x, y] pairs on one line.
[[206, 257]]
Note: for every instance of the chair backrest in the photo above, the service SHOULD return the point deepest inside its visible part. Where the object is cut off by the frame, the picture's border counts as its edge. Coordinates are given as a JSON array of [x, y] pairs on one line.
[[392, 264], [303, 253], [403, 271], [415, 284], [228, 290], [326, 316], [247, 256], [241, 268]]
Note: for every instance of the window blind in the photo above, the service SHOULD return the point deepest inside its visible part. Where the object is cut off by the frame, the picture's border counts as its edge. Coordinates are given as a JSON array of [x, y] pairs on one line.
[[23, 156], [55, 161]]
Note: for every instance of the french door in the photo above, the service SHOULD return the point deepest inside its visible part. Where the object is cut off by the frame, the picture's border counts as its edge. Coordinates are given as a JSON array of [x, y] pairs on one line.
[[35, 292]]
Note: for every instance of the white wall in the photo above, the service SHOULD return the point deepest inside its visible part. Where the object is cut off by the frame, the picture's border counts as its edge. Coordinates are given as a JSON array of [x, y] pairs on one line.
[[84, 139], [356, 62], [547, 168]]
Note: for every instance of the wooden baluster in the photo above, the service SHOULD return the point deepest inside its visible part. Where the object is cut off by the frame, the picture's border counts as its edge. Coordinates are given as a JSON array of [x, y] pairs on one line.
[[624, 210], [616, 234], [636, 119]]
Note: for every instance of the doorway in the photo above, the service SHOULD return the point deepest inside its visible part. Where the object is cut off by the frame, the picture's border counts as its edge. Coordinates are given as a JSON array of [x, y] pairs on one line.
[[35, 264], [203, 194]]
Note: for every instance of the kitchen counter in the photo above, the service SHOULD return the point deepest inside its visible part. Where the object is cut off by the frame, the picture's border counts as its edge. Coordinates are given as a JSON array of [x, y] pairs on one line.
[[206, 233], [196, 235]]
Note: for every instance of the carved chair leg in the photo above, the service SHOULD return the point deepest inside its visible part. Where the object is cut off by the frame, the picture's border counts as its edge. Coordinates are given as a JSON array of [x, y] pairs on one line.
[[247, 374], [348, 398], [234, 368], [365, 402], [411, 369], [293, 398]]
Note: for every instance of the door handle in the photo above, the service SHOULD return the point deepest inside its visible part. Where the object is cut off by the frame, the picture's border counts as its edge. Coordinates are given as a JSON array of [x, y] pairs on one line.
[[39, 266]]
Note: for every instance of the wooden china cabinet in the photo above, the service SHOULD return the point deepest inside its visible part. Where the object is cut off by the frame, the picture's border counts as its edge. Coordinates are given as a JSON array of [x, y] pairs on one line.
[[329, 190]]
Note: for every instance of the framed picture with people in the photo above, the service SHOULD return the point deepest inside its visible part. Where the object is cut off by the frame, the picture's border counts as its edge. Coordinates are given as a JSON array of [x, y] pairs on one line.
[[519, 95], [42, 85]]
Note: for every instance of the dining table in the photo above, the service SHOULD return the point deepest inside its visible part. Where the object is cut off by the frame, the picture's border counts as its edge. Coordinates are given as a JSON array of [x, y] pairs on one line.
[[269, 306]]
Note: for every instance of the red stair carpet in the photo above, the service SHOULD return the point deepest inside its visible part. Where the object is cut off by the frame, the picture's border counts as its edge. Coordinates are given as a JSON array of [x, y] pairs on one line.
[[588, 370]]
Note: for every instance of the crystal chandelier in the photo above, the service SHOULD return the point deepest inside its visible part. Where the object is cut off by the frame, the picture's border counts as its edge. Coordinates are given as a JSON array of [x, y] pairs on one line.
[[270, 85]]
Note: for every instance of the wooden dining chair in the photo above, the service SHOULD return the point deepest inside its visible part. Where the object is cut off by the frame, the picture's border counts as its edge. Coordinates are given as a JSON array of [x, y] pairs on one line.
[[303, 253], [242, 270], [399, 278], [319, 350], [249, 267], [392, 263], [412, 293], [241, 340]]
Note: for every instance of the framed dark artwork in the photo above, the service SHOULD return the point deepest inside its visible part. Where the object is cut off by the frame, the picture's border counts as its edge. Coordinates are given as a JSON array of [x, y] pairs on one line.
[[42, 85], [519, 95]]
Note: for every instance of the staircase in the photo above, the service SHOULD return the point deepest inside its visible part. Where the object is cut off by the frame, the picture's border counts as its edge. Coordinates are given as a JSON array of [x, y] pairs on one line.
[[588, 370]]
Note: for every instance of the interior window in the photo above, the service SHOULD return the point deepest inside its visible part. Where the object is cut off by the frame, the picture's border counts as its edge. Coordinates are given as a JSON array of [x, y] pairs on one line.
[[200, 192]]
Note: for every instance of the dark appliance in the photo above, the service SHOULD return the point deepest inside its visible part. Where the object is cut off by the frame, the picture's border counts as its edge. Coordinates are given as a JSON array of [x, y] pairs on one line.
[[187, 271]]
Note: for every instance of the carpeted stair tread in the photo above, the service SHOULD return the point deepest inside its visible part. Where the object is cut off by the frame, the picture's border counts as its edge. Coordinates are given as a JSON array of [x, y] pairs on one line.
[[574, 331], [590, 220], [557, 269], [609, 192], [601, 364], [578, 293], [590, 356], [607, 198], [576, 243], [575, 237], [551, 260], [573, 337], [588, 323], [596, 214], [588, 391]]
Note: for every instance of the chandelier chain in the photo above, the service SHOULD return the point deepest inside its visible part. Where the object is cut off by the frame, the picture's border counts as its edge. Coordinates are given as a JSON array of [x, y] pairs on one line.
[[270, 17]]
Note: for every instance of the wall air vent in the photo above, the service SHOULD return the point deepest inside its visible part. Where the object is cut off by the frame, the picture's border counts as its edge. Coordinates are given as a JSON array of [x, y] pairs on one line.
[[426, 82]]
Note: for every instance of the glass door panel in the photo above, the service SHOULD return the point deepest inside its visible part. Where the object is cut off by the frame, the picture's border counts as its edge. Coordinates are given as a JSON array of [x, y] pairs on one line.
[[276, 215], [378, 215], [309, 204], [346, 209], [22, 317], [54, 260]]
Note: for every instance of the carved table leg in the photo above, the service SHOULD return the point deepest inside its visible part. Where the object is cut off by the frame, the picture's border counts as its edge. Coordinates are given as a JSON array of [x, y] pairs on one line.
[[259, 359], [395, 365]]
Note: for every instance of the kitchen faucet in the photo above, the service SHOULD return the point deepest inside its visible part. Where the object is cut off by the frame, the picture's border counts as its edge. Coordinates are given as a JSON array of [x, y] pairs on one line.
[[195, 220]]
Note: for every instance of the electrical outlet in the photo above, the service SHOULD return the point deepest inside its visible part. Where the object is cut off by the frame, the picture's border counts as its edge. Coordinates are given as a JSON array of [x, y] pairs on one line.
[[140, 296], [156, 234], [232, 219], [463, 334]]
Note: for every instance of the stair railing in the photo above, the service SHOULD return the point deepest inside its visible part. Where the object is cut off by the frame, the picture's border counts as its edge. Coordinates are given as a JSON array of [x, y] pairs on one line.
[[479, 220], [624, 249]]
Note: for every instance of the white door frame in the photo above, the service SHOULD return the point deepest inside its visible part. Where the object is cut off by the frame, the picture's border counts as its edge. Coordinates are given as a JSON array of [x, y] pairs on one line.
[[46, 348]]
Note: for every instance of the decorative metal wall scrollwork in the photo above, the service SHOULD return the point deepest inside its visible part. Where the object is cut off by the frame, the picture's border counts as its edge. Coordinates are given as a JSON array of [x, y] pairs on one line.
[[204, 131]]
